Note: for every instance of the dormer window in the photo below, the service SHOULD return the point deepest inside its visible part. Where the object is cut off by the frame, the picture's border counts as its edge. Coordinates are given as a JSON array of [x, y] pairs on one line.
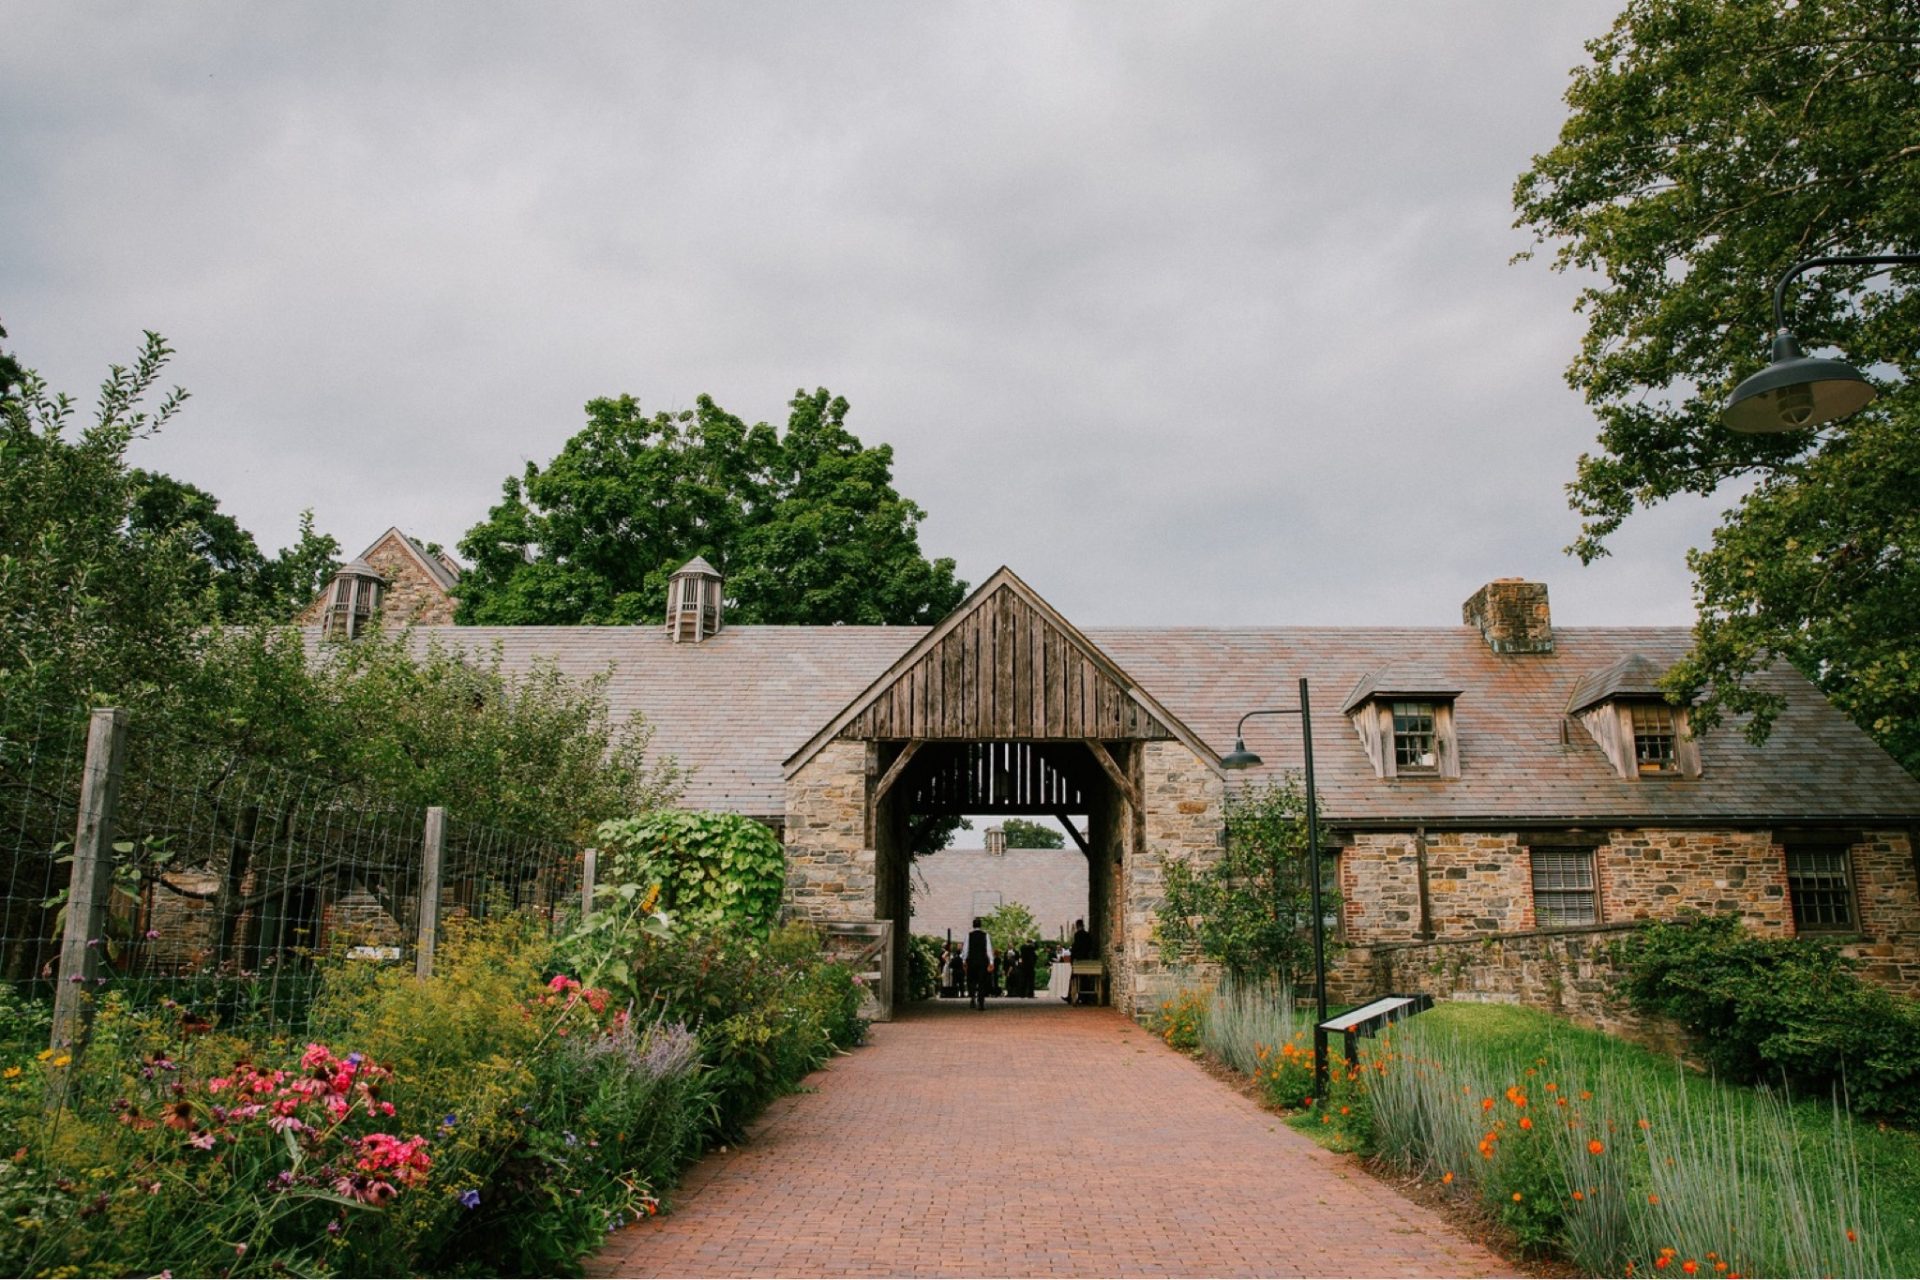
[[1415, 743], [1405, 720], [1625, 711], [1653, 737]]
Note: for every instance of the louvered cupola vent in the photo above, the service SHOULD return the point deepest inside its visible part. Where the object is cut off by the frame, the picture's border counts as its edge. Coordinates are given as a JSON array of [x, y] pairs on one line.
[[353, 599], [693, 602]]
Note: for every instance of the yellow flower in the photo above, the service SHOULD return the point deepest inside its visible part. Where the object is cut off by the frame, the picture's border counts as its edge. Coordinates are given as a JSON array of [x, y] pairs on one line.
[[63, 1060], [45, 1054], [10, 1073]]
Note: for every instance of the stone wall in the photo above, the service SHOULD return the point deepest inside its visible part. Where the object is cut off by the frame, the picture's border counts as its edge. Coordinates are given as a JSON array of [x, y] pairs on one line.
[[411, 596], [1565, 971], [830, 865], [1183, 819], [1479, 886]]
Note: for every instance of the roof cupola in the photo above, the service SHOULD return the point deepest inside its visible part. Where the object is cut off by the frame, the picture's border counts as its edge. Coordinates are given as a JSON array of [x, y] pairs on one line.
[[353, 599], [694, 604]]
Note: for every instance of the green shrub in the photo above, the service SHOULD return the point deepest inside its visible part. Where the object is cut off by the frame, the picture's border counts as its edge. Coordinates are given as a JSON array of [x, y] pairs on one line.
[[1787, 1012], [923, 966], [716, 870]]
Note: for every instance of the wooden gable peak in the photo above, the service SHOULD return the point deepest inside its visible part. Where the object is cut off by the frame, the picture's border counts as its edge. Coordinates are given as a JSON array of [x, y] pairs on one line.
[[1004, 666]]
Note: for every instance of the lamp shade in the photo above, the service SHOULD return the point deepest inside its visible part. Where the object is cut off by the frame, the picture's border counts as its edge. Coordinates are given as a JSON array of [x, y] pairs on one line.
[[1795, 392], [1240, 757]]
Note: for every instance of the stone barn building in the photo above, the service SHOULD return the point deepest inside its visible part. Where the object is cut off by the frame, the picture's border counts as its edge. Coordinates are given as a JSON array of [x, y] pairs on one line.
[[1497, 796]]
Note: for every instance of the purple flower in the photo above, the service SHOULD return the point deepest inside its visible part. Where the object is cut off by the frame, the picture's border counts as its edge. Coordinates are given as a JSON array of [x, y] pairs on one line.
[[355, 1059], [152, 934], [450, 1121], [470, 1198]]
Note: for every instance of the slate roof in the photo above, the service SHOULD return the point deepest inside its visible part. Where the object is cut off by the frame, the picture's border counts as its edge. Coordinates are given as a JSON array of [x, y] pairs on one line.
[[1632, 676], [731, 708]]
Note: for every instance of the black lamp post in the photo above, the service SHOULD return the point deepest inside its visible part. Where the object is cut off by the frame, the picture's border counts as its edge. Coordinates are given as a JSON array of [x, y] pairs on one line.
[[1241, 758], [1797, 391]]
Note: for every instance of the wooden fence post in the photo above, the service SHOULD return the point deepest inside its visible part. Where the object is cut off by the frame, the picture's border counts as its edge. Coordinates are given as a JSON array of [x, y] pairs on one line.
[[430, 850], [88, 888], [589, 872]]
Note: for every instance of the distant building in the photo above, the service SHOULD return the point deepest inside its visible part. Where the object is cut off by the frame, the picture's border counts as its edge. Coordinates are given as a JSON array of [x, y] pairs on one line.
[[1499, 797], [953, 886], [397, 579]]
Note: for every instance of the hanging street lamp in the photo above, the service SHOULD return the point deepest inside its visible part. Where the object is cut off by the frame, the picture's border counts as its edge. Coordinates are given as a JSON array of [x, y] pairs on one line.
[[1797, 391], [1241, 758]]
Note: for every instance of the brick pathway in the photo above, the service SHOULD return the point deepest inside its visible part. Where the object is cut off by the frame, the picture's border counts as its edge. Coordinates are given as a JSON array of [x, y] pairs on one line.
[[1031, 1139]]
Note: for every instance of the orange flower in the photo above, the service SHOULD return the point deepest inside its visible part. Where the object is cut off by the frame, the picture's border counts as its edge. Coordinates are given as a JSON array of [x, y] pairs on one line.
[[1325, 1118], [1551, 1086], [1516, 1197], [1660, 1263], [1689, 1266], [1719, 1266], [1595, 1147], [1586, 1096], [1346, 1111], [1653, 1199], [1629, 1269], [1852, 1238], [1526, 1123], [1579, 1195], [1642, 1122], [1486, 1104], [1446, 1178]]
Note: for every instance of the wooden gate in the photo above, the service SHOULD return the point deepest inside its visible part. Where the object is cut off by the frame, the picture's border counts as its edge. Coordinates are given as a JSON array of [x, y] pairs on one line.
[[866, 947]]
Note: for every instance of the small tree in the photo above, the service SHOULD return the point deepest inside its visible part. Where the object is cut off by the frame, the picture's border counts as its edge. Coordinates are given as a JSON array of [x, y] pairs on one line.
[[1022, 834], [1250, 910], [1011, 926]]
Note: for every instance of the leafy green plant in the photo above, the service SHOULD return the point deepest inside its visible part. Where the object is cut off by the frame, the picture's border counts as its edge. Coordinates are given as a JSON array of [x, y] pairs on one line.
[[1011, 926], [1249, 910], [1784, 1011], [923, 963], [716, 870]]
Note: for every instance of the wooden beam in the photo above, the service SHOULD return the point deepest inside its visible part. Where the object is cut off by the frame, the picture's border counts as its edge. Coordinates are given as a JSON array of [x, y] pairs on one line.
[[898, 767], [1113, 771], [1067, 822]]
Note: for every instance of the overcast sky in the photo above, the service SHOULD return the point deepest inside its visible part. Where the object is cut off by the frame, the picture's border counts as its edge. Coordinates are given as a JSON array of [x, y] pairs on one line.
[[1189, 313]]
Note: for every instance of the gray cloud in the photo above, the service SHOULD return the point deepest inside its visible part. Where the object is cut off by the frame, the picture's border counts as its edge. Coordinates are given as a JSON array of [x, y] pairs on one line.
[[1195, 312]]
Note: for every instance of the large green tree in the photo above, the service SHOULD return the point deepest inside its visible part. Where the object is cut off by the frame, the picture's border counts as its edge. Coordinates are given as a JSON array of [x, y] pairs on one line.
[[805, 524], [240, 583], [1022, 834], [1709, 146]]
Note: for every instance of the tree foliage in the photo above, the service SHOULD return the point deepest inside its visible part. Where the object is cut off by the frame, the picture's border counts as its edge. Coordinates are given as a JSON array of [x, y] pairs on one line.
[[1709, 146], [242, 583], [805, 525], [1250, 910], [1022, 834], [1011, 926]]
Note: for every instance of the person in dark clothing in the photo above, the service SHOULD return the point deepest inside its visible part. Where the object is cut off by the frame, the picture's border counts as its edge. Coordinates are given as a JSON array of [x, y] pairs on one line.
[[1083, 948], [978, 955], [1029, 963]]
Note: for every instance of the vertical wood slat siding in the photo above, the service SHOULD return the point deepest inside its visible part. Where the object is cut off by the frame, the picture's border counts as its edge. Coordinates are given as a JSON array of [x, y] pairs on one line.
[[1005, 673]]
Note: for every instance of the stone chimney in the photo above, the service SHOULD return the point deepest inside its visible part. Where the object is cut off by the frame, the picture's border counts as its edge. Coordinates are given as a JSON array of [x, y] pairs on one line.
[[694, 602], [996, 840], [1512, 616]]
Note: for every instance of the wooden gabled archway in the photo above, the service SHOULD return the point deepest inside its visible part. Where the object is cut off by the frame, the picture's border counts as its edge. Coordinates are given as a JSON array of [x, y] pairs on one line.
[[1003, 708]]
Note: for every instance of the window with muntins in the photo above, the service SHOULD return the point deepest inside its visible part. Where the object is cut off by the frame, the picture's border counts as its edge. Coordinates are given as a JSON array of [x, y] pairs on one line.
[[1415, 748], [1563, 888], [1821, 889], [1653, 737]]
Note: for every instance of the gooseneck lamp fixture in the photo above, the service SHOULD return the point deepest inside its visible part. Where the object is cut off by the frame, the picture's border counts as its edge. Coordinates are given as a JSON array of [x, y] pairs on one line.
[[1797, 391], [1241, 758]]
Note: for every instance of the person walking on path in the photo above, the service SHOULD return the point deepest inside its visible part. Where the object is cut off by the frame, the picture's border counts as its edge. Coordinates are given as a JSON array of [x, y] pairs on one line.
[[978, 956]]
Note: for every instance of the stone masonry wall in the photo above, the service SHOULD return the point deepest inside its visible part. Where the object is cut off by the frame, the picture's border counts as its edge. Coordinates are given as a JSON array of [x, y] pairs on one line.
[[1566, 972], [1183, 820], [830, 866], [410, 597], [1480, 886]]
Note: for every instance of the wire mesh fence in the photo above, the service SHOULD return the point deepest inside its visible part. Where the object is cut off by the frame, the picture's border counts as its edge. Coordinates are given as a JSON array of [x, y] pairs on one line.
[[220, 883]]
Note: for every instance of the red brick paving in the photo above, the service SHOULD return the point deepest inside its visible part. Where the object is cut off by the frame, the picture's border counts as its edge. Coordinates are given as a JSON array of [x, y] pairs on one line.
[[1031, 1139]]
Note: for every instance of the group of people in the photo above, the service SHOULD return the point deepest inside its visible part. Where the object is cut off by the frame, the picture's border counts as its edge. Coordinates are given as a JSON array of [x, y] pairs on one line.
[[974, 970]]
